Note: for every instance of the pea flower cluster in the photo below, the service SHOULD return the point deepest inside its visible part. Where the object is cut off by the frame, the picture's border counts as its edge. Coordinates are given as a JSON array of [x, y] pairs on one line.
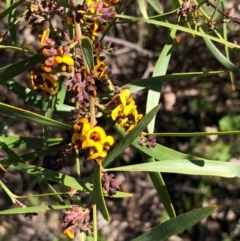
[[57, 59], [125, 111], [93, 16], [94, 139]]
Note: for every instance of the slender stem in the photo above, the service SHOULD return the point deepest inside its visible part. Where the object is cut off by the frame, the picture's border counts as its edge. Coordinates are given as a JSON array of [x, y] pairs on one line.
[[9, 193], [16, 49], [42, 195], [195, 134], [78, 166], [92, 112], [82, 236], [225, 36], [95, 222]]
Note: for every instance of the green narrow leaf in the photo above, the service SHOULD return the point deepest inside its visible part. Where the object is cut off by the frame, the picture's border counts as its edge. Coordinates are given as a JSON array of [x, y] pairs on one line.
[[11, 8], [176, 225], [16, 162], [12, 70], [37, 154], [154, 83], [160, 69], [62, 89], [179, 28], [34, 209], [156, 6], [225, 36], [11, 23], [186, 166], [220, 57], [64, 109], [130, 137], [29, 96], [22, 142], [47, 174], [160, 186], [86, 46], [143, 8], [176, 3], [33, 117], [98, 192], [160, 152], [122, 195]]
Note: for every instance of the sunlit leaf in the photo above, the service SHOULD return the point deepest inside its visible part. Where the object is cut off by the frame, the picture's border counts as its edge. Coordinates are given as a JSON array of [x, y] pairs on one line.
[[186, 166], [143, 7], [176, 225], [34, 209], [12, 70], [156, 6], [161, 67], [29, 96], [33, 117], [155, 83]]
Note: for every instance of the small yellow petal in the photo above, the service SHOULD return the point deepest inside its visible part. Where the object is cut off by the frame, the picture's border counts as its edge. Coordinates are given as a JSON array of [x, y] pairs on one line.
[[128, 109], [86, 127], [50, 78], [57, 60], [47, 89], [82, 120], [75, 137], [109, 140], [45, 36], [122, 123], [46, 68], [69, 232], [114, 113], [87, 143], [68, 60]]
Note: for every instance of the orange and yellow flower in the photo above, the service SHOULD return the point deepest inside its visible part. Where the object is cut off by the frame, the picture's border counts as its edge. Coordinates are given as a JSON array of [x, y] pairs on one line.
[[94, 139], [126, 112]]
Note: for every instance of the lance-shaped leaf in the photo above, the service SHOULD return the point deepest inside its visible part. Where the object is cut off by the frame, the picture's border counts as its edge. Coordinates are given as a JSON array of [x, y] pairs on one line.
[[23, 142], [160, 186], [12, 70], [34, 209], [29, 96], [37, 154], [220, 57], [176, 225], [16, 162], [155, 83], [180, 28], [186, 166], [98, 192], [11, 8], [156, 6], [143, 8], [32, 117], [47, 174], [160, 69], [130, 137]]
